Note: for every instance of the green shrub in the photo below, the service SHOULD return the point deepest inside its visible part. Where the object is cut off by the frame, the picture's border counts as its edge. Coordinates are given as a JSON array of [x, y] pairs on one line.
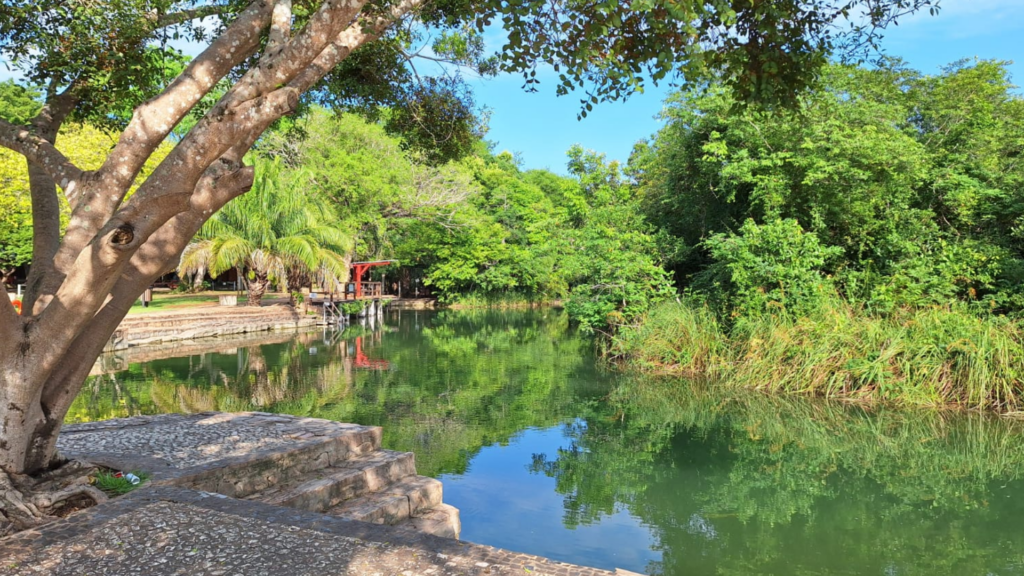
[[773, 268], [353, 307]]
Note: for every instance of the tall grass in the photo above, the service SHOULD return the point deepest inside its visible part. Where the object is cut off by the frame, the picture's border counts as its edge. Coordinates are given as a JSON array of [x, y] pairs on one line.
[[938, 355]]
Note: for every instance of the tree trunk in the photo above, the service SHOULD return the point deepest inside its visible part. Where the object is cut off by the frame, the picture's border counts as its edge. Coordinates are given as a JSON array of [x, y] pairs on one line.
[[296, 280], [197, 280], [257, 288]]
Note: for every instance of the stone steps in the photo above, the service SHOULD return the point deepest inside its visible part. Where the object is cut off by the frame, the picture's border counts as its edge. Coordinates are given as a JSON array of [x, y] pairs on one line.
[[394, 503], [381, 487], [321, 489], [307, 464]]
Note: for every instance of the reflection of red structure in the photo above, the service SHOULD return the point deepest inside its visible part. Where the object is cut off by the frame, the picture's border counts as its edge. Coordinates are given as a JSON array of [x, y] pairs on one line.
[[363, 362], [360, 268]]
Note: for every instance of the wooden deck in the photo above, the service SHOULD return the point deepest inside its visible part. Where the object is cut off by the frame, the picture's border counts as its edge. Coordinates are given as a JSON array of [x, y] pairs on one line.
[[361, 291]]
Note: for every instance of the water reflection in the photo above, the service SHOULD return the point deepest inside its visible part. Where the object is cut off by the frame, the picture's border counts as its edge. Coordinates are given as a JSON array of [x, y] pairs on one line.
[[442, 384], [546, 453], [735, 483]]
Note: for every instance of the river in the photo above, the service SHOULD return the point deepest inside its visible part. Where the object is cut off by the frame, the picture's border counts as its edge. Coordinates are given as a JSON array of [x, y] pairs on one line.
[[547, 453]]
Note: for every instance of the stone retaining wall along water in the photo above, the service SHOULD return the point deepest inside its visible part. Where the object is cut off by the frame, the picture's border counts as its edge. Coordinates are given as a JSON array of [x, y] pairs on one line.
[[205, 322]]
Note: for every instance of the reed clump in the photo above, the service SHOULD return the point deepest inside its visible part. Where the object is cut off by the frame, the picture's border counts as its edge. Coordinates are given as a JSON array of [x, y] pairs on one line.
[[935, 355]]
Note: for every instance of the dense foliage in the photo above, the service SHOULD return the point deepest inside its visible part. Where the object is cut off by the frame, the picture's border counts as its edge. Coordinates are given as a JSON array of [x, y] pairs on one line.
[[480, 229], [912, 186], [866, 245]]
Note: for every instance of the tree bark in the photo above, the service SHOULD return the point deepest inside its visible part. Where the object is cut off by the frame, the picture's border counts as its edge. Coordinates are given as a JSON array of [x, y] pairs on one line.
[[45, 203], [198, 279], [257, 288]]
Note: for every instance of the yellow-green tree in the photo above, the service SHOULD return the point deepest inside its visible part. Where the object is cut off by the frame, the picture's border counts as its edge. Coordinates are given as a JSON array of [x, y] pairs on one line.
[[87, 146]]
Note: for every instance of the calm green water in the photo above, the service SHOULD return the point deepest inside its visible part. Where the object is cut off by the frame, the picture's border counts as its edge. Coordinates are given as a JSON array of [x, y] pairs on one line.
[[546, 453]]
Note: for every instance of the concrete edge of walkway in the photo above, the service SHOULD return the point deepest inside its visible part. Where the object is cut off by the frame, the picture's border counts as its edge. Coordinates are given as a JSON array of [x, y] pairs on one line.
[[17, 548], [163, 472]]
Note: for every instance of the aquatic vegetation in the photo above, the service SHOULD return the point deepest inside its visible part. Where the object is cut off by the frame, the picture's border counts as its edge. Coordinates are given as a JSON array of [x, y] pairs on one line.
[[923, 355]]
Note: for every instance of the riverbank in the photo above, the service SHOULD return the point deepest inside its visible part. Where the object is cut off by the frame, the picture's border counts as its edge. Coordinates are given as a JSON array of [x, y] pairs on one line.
[[166, 531], [936, 356], [192, 323]]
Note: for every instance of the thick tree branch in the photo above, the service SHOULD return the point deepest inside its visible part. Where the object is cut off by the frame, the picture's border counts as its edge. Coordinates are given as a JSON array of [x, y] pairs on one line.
[[150, 125], [270, 73], [41, 152], [45, 233], [43, 189], [169, 188], [259, 98], [153, 121], [347, 41], [280, 27], [159, 199]]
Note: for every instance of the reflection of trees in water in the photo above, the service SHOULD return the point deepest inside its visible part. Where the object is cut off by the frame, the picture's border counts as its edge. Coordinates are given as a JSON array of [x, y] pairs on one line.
[[457, 381], [736, 483], [462, 380], [107, 396], [253, 377]]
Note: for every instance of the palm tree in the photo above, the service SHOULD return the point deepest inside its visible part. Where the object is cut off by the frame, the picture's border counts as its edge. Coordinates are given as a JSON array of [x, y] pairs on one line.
[[274, 232]]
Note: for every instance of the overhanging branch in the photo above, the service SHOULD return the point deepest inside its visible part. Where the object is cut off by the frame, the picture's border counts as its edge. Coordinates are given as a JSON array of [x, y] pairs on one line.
[[358, 33], [154, 120]]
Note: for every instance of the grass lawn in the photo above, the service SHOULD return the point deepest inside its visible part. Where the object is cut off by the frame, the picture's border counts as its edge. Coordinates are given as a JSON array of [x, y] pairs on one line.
[[169, 301], [165, 300]]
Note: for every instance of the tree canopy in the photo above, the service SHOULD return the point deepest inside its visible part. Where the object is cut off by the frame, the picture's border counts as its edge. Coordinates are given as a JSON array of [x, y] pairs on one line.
[[912, 182]]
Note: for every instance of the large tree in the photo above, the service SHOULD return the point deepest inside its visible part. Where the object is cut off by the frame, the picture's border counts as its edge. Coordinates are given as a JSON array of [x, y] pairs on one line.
[[110, 62]]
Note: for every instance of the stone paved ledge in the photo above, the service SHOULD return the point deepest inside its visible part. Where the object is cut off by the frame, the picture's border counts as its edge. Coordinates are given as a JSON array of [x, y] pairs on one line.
[[172, 531], [118, 360], [206, 450]]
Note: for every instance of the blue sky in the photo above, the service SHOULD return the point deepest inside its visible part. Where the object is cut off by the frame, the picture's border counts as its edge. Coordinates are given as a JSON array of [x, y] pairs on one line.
[[541, 126]]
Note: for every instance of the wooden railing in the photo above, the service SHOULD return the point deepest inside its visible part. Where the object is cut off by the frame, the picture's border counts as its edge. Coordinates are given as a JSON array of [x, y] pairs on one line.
[[367, 290]]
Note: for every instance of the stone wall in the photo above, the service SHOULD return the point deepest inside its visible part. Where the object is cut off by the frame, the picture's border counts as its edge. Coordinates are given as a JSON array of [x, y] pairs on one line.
[[206, 322]]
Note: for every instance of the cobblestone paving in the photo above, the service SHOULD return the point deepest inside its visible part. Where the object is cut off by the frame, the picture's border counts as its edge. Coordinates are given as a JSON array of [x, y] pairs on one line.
[[187, 441], [179, 532]]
